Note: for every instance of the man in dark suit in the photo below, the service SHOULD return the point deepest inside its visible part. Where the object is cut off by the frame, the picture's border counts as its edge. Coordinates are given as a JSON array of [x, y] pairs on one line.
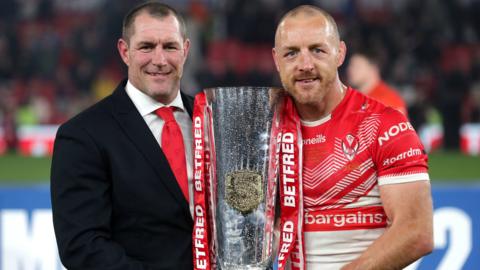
[[117, 203]]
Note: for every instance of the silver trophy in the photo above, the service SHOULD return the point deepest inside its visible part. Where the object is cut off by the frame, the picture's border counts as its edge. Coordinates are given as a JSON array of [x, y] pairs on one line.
[[242, 180]]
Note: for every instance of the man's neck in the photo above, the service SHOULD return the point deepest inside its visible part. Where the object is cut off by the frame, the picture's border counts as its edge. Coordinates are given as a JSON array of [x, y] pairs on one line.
[[322, 108]]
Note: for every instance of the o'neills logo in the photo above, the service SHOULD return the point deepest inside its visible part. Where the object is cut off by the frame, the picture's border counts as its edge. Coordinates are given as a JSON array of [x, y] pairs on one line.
[[288, 165], [394, 131], [410, 153], [319, 138]]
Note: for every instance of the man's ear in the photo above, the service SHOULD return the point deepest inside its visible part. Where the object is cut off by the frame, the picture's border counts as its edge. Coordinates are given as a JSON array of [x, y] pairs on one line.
[[342, 52], [274, 55], [186, 47], [122, 47]]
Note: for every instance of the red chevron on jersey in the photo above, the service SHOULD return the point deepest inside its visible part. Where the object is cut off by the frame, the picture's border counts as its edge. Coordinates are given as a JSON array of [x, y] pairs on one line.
[[347, 170]]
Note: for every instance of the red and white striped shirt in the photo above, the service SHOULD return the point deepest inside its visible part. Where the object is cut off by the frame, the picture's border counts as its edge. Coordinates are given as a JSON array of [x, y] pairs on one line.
[[347, 156]]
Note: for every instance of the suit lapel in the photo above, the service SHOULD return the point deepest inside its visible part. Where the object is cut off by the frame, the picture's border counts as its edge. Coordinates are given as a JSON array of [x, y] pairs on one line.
[[134, 126], [188, 103]]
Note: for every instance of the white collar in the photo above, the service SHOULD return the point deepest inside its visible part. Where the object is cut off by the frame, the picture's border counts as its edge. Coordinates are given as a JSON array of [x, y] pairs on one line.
[[145, 104], [316, 122]]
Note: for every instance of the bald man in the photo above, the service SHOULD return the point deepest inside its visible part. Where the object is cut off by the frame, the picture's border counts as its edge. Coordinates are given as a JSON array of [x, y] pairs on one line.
[[366, 189]]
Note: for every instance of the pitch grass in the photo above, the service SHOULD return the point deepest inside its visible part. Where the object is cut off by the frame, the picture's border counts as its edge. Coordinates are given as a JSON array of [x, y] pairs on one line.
[[453, 166], [444, 167], [16, 169]]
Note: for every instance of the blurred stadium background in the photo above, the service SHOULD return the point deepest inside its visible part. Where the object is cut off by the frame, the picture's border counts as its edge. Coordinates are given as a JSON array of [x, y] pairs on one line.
[[59, 56]]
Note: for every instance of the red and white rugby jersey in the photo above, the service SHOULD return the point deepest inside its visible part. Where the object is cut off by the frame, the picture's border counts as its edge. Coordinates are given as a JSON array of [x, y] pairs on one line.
[[347, 155]]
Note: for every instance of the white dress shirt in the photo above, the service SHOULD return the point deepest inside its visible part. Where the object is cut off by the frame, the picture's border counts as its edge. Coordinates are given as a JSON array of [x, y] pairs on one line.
[[147, 106]]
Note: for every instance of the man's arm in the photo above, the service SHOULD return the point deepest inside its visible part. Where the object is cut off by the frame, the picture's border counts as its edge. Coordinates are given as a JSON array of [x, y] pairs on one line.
[[410, 234], [81, 204]]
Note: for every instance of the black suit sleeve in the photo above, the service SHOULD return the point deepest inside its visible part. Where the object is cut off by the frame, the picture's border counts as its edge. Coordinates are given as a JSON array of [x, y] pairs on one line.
[[81, 204]]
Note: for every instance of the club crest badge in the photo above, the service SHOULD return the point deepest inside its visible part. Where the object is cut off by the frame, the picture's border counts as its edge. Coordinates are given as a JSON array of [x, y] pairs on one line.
[[350, 146], [243, 190]]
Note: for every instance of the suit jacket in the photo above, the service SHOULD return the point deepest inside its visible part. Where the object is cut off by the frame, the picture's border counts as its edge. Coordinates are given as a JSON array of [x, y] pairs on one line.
[[115, 201]]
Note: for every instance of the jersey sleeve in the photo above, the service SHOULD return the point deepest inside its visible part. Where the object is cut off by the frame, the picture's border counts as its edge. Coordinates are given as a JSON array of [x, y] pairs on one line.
[[398, 154]]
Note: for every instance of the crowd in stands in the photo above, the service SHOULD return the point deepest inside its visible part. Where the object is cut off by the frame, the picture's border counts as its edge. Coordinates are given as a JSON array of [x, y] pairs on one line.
[[58, 57]]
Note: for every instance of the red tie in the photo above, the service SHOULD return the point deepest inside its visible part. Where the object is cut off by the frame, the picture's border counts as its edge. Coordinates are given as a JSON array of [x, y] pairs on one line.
[[172, 146]]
